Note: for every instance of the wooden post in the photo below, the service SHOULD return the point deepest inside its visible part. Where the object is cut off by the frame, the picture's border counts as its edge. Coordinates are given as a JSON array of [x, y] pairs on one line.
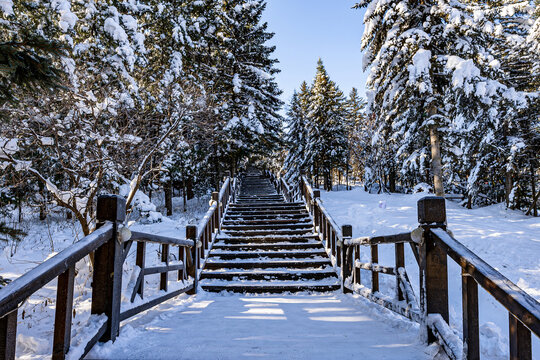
[[8, 335], [217, 213], [63, 314], [400, 263], [433, 260], [374, 274], [191, 234], [520, 340], [108, 261], [471, 340], [346, 257]]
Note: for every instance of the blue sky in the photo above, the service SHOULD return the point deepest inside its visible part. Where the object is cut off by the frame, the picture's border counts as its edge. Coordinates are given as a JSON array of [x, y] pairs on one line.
[[308, 29]]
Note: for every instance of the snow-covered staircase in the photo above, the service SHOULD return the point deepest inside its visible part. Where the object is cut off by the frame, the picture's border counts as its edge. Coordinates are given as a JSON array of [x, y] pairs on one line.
[[267, 245]]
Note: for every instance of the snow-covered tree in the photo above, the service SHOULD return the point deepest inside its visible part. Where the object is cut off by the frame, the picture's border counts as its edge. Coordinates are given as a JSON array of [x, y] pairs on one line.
[[327, 138], [451, 82]]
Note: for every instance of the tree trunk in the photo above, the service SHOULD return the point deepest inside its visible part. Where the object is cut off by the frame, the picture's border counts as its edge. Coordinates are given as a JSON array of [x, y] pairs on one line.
[[534, 196], [508, 187], [168, 196], [436, 163], [392, 180]]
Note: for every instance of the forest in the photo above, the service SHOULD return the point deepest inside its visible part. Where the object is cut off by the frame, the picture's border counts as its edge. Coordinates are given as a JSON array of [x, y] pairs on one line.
[[144, 97]]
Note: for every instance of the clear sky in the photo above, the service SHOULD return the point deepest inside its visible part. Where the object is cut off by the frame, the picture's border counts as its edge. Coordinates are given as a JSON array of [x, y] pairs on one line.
[[308, 29]]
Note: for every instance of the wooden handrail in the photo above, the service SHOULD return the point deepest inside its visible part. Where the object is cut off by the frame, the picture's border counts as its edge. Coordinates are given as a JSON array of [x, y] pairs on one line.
[[330, 219], [110, 253], [431, 244], [523, 306], [21, 288], [140, 236]]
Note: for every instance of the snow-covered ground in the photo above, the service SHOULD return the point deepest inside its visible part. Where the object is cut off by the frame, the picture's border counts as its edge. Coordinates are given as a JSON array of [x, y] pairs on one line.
[[47, 238], [305, 326], [508, 240], [231, 326]]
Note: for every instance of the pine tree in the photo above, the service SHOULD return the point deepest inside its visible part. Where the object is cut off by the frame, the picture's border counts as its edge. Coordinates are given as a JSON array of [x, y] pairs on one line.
[[30, 53], [357, 133], [327, 140]]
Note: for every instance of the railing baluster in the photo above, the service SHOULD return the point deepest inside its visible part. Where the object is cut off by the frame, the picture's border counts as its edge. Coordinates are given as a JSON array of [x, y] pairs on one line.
[[217, 212], [163, 281], [140, 261], [181, 257], [520, 340], [357, 278], [346, 257], [8, 335], [63, 314], [191, 234], [471, 341], [400, 263], [374, 274]]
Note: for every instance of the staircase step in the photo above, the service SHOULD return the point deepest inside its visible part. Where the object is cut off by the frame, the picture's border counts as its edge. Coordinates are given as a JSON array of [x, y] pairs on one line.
[[288, 226], [267, 212], [270, 275], [249, 233], [305, 220], [289, 264], [229, 255], [268, 247], [272, 205], [268, 239], [271, 287], [237, 217]]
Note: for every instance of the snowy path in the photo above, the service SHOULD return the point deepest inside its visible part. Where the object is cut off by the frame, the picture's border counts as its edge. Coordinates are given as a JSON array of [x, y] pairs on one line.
[[311, 326]]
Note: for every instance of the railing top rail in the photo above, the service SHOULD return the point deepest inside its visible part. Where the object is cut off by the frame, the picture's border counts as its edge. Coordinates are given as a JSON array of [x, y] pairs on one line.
[[140, 236], [21, 288], [331, 220], [525, 308], [380, 239], [224, 188], [308, 186]]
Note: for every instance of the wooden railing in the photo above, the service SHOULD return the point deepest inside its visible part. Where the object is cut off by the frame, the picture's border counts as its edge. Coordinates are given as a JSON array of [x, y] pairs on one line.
[[291, 194], [110, 244], [431, 246]]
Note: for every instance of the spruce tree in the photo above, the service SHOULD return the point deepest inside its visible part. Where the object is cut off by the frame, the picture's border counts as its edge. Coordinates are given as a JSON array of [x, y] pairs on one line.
[[327, 140]]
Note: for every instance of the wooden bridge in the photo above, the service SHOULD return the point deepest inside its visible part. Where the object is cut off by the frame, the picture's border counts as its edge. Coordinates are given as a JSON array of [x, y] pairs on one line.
[[260, 235]]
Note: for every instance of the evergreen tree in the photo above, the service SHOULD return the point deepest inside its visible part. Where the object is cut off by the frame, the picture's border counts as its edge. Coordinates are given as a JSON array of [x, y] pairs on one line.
[[327, 138], [451, 82]]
